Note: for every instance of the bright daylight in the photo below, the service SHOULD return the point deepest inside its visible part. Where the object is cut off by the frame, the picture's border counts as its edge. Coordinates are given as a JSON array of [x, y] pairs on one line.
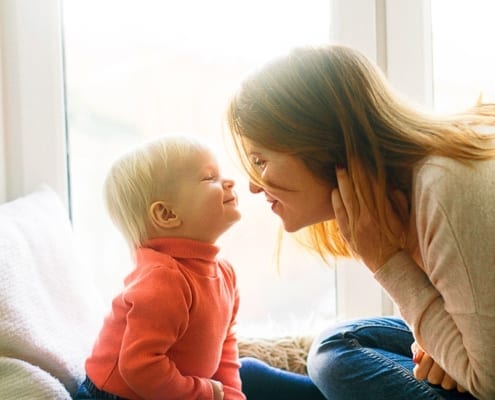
[[247, 200]]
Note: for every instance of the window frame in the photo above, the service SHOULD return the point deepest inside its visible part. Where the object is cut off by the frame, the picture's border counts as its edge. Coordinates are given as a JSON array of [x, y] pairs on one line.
[[397, 36], [33, 125], [33, 140]]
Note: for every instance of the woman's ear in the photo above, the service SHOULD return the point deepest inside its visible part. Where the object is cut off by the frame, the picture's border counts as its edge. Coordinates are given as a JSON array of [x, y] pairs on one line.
[[162, 216]]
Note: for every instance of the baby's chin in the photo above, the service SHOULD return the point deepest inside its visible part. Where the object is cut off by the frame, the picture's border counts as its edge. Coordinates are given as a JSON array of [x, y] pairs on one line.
[[235, 219], [239, 216]]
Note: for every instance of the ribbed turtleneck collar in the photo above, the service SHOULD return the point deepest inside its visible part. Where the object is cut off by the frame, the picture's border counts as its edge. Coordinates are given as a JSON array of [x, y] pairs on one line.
[[201, 256], [184, 248]]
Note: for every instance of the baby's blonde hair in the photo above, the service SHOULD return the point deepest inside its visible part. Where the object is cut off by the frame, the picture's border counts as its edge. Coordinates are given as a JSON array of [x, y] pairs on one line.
[[146, 174]]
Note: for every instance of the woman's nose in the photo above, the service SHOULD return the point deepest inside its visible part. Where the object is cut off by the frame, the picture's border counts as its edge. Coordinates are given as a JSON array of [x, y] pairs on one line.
[[254, 188]]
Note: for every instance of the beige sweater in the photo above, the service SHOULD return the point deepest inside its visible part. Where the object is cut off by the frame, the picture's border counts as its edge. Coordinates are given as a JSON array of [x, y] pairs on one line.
[[445, 288]]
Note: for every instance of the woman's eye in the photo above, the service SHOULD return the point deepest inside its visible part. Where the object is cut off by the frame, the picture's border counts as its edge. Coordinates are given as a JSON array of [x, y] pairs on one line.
[[259, 163]]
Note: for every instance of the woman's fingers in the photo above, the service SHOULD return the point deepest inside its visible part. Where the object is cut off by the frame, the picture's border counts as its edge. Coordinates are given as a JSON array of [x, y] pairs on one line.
[[427, 369], [417, 352], [422, 369], [369, 240], [436, 374], [344, 185], [461, 389], [340, 213], [448, 383]]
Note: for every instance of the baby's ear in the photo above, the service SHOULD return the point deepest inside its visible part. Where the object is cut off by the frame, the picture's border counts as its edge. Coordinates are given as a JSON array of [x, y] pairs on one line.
[[163, 216]]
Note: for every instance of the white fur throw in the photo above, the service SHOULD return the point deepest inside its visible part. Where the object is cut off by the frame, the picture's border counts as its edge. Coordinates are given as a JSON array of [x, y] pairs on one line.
[[49, 310]]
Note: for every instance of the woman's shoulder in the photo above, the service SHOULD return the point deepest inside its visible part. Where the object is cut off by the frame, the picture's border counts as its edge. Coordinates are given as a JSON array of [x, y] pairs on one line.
[[439, 170], [455, 185]]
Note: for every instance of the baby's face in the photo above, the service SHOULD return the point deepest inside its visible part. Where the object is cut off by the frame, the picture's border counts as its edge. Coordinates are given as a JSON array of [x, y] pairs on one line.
[[205, 202]]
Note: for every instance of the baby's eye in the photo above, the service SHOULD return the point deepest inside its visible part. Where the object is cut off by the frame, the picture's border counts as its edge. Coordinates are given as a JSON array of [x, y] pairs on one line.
[[258, 163], [209, 178]]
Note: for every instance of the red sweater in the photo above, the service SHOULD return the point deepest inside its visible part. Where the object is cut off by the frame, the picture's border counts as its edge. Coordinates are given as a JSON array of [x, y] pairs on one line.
[[172, 327]]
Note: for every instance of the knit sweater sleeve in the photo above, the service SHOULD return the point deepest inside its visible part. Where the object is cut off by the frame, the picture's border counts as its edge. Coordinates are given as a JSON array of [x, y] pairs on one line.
[[228, 370], [158, 316], [450, 303]]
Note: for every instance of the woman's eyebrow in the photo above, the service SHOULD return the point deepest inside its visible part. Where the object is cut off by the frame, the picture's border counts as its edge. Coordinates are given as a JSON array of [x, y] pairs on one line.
[[255, 153]]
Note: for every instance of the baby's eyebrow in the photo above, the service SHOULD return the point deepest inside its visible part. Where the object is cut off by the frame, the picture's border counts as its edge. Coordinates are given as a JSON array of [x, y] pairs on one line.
[[209, 170]]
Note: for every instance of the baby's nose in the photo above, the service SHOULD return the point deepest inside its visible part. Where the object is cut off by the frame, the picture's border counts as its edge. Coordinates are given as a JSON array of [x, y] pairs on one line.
[[228, 183]]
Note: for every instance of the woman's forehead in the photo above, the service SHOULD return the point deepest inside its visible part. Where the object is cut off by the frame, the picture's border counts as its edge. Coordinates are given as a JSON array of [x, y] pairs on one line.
[[251, 146]]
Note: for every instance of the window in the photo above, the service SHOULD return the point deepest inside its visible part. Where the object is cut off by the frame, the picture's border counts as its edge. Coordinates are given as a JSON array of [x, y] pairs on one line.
[[463, 59], [394, 33], [137, 69]]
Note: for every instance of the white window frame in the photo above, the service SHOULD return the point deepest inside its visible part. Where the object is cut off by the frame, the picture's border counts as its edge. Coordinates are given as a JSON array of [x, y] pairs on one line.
[[32, 116], [394, 33]]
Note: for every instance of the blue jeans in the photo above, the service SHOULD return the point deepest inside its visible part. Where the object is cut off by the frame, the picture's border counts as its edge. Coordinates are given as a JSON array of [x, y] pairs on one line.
[[88, 391], [370, 359], [261, 381]]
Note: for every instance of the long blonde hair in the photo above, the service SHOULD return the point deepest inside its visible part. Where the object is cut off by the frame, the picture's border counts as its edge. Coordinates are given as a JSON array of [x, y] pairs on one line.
[[148, 173], [330, 106]]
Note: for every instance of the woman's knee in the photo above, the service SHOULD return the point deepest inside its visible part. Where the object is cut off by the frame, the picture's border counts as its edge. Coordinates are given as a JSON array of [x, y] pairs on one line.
[[325, 357], [337, 350]]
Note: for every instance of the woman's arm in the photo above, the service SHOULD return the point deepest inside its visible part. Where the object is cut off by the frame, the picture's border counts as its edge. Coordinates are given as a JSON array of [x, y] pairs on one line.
[[448, 301]]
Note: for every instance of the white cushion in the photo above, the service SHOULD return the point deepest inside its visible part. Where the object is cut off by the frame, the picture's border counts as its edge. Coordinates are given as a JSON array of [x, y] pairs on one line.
[[21, 380], [49, 310]]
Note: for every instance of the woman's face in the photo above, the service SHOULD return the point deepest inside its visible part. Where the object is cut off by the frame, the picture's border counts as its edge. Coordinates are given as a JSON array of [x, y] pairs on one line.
[[296, 195]]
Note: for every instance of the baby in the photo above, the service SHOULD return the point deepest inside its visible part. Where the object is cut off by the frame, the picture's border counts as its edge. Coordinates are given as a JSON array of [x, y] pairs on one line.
[[170, 333]]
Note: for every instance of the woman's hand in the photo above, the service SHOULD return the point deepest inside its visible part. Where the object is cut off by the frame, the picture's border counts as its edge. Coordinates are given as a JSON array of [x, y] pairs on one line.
[[427, 369], [371, 244], [217, 389]]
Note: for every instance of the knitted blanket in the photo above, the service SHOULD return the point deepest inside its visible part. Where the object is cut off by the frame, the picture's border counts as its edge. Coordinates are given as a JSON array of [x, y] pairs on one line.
[[21, 380], [48, 313]]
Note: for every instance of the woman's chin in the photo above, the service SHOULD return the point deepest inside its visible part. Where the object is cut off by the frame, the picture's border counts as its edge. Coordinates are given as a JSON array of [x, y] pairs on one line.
[[291, 228]]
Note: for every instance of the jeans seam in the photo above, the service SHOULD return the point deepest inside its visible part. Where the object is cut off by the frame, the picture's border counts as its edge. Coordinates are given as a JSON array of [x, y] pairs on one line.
[[388, 327], [404, 372]]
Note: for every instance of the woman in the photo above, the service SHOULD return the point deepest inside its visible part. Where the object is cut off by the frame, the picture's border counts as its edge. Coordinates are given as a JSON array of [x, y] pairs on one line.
[[410, 194]]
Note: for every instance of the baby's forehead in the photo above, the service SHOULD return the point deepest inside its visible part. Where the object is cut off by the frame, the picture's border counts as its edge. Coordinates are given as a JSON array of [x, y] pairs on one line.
[[197, 161]]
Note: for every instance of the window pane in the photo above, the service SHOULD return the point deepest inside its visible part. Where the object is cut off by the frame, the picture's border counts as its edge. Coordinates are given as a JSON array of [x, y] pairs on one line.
[[463, 56], [138, 69]]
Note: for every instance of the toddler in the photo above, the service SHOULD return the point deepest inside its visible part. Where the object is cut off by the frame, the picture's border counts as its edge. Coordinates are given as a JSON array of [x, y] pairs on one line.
[[171, 331]]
